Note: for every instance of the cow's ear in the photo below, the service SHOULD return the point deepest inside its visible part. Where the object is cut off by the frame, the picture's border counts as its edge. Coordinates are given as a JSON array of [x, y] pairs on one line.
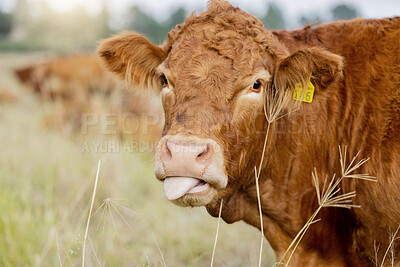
[[324, 67], [134, 58]]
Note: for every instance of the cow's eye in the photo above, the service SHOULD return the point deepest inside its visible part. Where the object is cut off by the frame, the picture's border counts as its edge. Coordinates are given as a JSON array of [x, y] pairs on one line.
[[164, 80], [256, 86]]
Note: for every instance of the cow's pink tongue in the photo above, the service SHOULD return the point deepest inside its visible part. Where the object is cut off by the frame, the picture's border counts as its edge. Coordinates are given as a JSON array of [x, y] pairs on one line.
[[175, 187]]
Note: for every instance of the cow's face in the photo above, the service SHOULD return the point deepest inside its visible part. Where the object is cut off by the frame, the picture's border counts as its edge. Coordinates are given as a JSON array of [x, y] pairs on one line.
[[213, 73], [32, 76]]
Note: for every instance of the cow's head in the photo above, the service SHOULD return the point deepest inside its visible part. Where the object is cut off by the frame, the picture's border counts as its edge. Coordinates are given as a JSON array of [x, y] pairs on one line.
[[32, 76], [213, 74]]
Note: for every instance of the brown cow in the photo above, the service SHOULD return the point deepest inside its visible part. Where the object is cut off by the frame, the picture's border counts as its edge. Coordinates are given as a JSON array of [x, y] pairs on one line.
[[67, 77], [214, 74], [81, 86]]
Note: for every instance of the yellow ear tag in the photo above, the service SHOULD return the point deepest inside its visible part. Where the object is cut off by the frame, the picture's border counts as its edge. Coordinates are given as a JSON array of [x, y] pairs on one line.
[[307, 95]]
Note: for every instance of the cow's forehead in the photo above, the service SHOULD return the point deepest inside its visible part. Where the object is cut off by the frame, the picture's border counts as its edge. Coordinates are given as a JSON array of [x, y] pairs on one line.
[[224, 57], [200, 63], [194, 65]]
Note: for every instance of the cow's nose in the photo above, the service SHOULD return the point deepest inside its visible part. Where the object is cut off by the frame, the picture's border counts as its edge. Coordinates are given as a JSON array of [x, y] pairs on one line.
[[185, 158]]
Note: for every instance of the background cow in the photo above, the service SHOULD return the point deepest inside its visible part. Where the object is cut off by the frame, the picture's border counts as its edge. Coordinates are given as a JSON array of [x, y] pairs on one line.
[[79, 84], [215, 73], [67, 77]]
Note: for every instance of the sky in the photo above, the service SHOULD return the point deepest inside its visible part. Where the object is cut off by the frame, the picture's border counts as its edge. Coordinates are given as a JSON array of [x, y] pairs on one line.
[[293, 9]]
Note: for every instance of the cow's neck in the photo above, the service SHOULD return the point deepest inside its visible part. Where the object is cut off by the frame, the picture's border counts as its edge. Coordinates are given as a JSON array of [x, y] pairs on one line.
[[297, 144]]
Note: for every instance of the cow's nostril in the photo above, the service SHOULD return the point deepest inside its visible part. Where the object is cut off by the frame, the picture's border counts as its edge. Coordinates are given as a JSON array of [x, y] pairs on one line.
[[204, 153], [166, 152]]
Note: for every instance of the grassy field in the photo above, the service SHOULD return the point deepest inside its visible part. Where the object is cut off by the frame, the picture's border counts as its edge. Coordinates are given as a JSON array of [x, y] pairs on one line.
[[46, 183]]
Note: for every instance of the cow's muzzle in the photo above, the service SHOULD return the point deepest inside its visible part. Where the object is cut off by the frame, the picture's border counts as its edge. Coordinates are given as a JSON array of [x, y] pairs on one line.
[[191, 168]]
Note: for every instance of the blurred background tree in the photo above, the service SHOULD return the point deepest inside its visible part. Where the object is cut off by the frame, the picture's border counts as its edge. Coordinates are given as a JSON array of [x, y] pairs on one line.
[[177, 17], [21, 20], [339, 12], [156, 31], [102, 21], [142, 23], [5, 24], [344, 12], [273, 19]]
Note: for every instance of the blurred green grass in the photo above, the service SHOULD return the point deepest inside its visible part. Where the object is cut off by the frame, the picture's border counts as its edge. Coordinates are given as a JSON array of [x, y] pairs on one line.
[[46, 182]]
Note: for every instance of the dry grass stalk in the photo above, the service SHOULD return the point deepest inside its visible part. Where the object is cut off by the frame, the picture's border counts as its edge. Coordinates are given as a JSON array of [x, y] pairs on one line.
[[376, 250], [275, 102], [107, 206], [147, 258], [90, 214], [67, 255], [216, 234], [94, 252], [389, 248], [159, 250], [47, 246], [58, 251], [328, 196], [261, 218]]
